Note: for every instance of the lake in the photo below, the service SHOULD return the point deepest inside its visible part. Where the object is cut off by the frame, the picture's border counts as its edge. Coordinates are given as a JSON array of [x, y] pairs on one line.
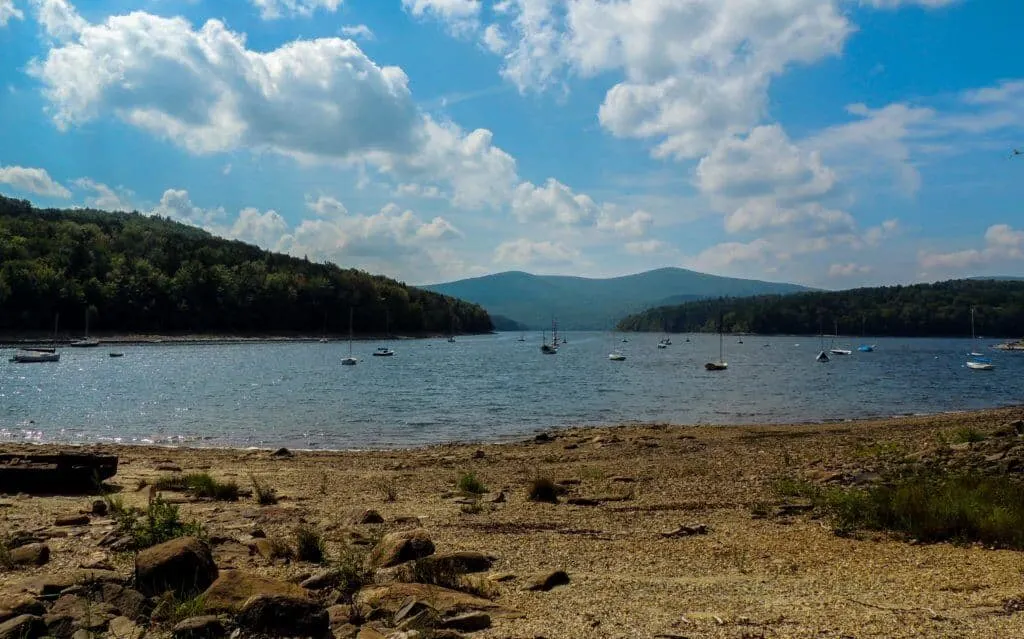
[[482, 388]]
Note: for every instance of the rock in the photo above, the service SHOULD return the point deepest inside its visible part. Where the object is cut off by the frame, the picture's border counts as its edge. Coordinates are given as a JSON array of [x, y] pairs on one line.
[[72, 520], [323, 580], [392, 597], [571, 446], [397, 547], [282, 452], [54, 584], [62, 473], [961, 447], [468, 622], [284, 615], [23, 627], [370, 633], [339, 614], [438, 568], [204, 627], [99, 508], [495, 498], [545, 581], [411, 609], [501, 576], [82, 633], [257, 533], [16, 604], [130, 603], [687, 531], [125, 628], [72, 612], [543, 438], [184, 566], [368, 516], [233, 588], [277, 515], [31, 555], [583, 501], [479, 454], [168, 467]]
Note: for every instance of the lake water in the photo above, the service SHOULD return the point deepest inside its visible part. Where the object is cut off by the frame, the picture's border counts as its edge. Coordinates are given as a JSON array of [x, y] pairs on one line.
[[479, 388]]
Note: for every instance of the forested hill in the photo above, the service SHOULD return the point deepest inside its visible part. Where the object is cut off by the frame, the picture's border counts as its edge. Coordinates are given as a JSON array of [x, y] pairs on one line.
[[940, 309], [151, 275]]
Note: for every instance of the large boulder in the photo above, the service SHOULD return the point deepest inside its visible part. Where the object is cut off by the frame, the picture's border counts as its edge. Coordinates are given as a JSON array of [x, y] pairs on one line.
[[443, 567], [16, 604], [284, 615], [78, 612], [398, 547], [23, 627], [183, 566], [53, 584], [31, 555], [233, 588], [130, 603]]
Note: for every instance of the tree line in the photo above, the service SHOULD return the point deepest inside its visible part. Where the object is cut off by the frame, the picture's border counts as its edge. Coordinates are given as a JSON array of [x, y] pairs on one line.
[[135, 273], [942, 309]]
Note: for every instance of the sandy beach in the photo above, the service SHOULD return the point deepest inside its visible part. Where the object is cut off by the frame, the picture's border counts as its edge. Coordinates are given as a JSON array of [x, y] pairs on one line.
[[664, 531]]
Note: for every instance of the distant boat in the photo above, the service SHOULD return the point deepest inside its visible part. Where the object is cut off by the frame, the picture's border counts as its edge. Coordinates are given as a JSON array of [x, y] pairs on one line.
[[616, 356], [866, 348], [116, 354], [522, 338], [552, 348], [721, 364], [350, 360], [451, 337], [822, 357], [980, 363], [980, 366], [840, 351], [662, 344], [86, 341], [39, 355], [383, 351], [974, 354]]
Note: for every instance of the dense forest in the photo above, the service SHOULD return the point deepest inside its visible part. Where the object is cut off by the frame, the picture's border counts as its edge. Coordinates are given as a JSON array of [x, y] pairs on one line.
[[134, 273], [940, 309]]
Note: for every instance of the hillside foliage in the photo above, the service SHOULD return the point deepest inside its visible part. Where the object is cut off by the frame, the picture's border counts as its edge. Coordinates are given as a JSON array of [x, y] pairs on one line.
[[942, 309], [135, 273]]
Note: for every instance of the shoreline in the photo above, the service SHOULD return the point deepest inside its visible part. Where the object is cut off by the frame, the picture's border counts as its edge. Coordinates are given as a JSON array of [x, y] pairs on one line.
[[626, 489], [192, 339]]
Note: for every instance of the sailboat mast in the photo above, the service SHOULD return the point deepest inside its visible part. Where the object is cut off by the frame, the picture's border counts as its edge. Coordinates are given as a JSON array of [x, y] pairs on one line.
[[350, 331], [972, 323]]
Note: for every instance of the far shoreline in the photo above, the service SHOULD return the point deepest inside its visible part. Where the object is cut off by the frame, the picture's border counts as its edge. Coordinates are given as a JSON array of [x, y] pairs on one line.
[[17, 341]]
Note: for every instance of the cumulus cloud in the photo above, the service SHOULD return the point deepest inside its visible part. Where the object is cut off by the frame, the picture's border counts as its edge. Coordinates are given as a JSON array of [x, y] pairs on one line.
[[9, 12], [525, 253], [32, 180], [326, 206], [204, 90], [177, 205], [460, 15], [646, 247], [848, 270], [1003, 244], [275, 9], [103, 197], [357, 32]]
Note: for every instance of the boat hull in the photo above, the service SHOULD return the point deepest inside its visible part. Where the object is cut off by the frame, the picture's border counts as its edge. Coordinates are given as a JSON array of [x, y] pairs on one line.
[[35, 357], [716, 366]]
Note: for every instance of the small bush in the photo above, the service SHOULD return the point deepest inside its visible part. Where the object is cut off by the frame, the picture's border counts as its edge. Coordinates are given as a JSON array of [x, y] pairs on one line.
[[309, 545], [968, 435], [265, 495], [160, 522], [200, 485], [544, 490], [170, 610], [470, 484], [351, 573]]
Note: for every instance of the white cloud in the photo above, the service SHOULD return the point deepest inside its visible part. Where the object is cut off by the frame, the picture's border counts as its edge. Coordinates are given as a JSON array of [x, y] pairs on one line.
[[460, 15], [261, 229], [874, 235], [646, 247], [425, 191], [493, 40], [274, 9], [105, 198], [177, 205], [847, 270], [32, 180], [896, 4], [722, 257], [204, 90], [357, 32], [326, 206], [553, 202], [1003, 244], [9, 12], [636, 224], [523, 253]]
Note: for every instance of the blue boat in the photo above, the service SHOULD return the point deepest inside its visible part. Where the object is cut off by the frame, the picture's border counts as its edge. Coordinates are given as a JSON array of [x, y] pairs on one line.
[[866, 348]]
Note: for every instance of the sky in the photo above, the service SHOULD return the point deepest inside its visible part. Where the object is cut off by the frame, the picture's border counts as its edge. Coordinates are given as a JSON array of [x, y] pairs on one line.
[[831, 143]]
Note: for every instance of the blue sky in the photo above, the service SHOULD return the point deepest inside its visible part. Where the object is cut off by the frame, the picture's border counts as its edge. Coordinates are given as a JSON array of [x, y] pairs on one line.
[[833, 143]]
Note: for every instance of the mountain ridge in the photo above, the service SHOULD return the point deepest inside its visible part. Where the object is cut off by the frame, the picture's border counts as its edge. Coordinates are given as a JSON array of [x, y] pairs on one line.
[[587, 303]]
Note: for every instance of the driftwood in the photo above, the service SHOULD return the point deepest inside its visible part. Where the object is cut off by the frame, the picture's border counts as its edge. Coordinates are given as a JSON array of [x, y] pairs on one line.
[[56, 473]]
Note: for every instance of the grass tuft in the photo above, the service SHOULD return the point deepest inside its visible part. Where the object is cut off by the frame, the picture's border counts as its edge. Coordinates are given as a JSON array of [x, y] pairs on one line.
[[929, 507], [265, 495], [967, 435], [309, 545], [470, 484], [351, 575], [543, 489], [170, 610], [200, 485], [388, 489], [158, 523]]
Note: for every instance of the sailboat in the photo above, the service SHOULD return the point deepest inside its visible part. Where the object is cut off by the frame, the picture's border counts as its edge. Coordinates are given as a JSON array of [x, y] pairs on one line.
[[822, 355], [838, 351], [323, 334], [979, 361], [665, 341], [720, 365], [864, 348], [384, 351], [616, 355], [39, 355], [85, 342], [552, 348], [350, 360], [451, 337]]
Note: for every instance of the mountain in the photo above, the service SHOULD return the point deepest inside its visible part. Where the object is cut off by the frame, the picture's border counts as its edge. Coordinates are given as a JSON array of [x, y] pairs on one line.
[[141, 274], [942, 309], [581, 303]]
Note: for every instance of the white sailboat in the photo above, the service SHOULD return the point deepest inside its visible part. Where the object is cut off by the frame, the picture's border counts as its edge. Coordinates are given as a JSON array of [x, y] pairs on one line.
[[384, 351], [980, 362], [39, 355], [350, 360], [86, 341], [838, 351], [822, 355], [721, 364]]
